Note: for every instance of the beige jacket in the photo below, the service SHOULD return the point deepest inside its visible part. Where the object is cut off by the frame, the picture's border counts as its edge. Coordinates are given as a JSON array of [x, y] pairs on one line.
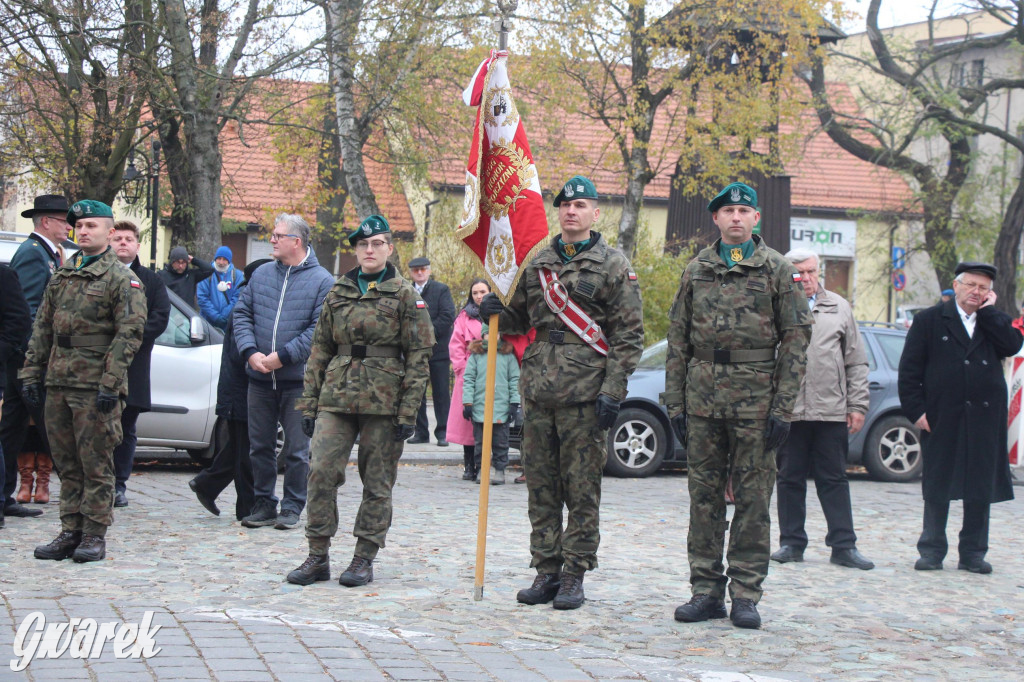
[[836, 381]]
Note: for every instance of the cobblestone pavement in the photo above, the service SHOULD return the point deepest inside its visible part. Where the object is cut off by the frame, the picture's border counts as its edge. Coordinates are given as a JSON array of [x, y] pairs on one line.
[[218, 592]]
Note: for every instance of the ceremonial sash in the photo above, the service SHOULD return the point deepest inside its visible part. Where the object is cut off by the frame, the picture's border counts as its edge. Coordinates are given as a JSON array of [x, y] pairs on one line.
[[558, 301]]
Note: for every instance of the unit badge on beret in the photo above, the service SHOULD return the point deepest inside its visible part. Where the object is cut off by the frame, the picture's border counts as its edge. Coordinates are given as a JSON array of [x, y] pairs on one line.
[[367, 229], [734, 194], [77, 208], [568, 191]]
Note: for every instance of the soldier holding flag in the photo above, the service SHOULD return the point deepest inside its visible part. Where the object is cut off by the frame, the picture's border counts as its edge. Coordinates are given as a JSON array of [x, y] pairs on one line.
[[583, 298]]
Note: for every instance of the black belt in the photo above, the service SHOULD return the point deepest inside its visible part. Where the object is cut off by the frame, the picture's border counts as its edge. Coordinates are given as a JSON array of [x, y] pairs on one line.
[[722, 357], [559, 337], [84, 340], [357, 351]]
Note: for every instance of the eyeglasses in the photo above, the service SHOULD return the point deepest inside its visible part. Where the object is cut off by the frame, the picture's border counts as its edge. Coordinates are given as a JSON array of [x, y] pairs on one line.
[[274, 236], [60, 219], [982, 288], [374, 244]]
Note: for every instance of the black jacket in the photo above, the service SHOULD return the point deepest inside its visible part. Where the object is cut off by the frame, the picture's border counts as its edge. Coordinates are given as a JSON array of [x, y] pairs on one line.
[[15, 321], [441, 307], [957, 381], [233, 386], [184, 285], [158, 310]]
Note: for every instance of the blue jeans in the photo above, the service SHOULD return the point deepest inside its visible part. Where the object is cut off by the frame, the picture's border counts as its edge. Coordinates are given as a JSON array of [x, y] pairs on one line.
[[267, 407]]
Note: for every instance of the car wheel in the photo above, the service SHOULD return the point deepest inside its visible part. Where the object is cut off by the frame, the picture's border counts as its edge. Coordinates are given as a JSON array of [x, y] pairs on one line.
[[892, 451], [636, 444], [205, 455]]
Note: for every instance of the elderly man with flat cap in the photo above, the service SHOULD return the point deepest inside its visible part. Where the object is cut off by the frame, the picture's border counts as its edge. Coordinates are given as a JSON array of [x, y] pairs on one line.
[[441, 307], [952, 387]]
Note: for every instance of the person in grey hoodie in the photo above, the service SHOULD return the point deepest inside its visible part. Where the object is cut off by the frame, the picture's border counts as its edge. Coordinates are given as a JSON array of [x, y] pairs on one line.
[[273, 325], [183, 273]]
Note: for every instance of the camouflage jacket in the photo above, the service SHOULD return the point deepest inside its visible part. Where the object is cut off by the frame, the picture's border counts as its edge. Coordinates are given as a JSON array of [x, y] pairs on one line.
[[102, 299], [390, 315], [758, 303], [602, 282]]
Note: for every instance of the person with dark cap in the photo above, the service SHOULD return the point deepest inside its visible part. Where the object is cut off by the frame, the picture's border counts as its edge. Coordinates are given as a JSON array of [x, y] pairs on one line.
[[738, 333], [441, 307], [364, 379], [947, 295], [183, 273], [583, 298], [158, 309], [218, 292], [952, 386], [88, 329], [35, 261], [231, 461]]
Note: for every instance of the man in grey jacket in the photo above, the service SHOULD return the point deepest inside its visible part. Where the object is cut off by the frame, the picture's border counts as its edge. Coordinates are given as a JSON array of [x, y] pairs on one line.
[[273, 326], [832, 402]]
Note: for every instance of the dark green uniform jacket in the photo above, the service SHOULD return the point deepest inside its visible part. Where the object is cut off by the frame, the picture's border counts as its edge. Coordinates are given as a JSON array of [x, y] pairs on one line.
[[103, 299], [389, 316]]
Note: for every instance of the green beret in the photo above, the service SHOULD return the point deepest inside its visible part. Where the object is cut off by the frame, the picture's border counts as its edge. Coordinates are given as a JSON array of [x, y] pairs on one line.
[[88, 208], [578, 187], [374, 224], [736, 193]]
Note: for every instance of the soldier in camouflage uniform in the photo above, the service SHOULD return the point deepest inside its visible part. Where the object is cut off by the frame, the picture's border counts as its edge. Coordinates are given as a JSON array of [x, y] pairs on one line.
[[737, 349], [87, 330], [571, 390], [365, 378]]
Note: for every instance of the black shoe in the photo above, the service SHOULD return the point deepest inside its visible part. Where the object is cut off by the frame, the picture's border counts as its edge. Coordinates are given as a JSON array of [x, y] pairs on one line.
[[1, 518], [264, 514], [788, 553], [976, 566], [209, 504], [570, 592], [851, 558], [442, 443], [120, 499], [316, 568], [61, 547], [359, 572], [497, 476], [92, 548], [468, 475], [926, 564], [544, 588], [21, 511], [287, 520], [418, 440], [744, 614], [701, 607]]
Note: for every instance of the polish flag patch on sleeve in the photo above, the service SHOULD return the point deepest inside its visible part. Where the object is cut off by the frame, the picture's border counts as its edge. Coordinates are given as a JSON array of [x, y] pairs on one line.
[[796, 277], [421, 304], [631, 275], [135, 285]]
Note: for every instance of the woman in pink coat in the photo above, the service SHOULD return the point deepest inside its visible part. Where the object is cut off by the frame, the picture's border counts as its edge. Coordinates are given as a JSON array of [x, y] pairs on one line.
[[468, 326]]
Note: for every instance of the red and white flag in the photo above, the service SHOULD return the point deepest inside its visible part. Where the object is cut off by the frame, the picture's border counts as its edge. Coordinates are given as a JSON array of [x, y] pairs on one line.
[[503, 219]]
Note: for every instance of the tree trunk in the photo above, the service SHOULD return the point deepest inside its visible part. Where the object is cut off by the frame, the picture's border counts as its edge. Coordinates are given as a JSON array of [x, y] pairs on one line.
[[330, 211], [205, 165], [1006, 252], [631, 205]]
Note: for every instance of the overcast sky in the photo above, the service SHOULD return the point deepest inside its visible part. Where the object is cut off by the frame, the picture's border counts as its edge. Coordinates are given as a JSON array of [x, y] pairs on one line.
[[897, 12]]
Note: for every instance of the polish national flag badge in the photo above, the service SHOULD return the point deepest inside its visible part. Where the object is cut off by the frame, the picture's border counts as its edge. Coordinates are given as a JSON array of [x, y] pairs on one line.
[[135, 285], [796, 277], [421, 304], [631, 275]]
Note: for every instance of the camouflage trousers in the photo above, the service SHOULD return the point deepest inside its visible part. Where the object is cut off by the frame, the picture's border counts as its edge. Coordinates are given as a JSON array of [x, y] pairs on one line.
[[82, 442], [378, 457], [566, 456], [717, 448]]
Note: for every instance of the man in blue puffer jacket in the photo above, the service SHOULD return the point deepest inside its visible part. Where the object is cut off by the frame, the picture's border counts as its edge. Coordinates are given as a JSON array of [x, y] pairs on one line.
[[273, 323], [218, 292]]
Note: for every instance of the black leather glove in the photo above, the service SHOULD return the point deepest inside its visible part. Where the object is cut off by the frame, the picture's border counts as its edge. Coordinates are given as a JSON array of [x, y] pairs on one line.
[[776, 433], [467, 412], [308, 424], [607, 411], [404, 431], [679, 426], [33, 394], [105, 401], [513, 411], [490, 305]]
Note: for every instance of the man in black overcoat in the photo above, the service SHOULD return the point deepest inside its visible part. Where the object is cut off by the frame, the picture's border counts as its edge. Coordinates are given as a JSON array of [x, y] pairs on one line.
[[441, 307], [952, 387]]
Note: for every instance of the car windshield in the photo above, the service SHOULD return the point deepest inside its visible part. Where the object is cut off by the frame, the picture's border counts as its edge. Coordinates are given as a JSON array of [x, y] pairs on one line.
[[654, 356]]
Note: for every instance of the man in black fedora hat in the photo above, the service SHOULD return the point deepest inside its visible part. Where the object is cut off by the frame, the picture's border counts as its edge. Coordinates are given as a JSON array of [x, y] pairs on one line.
[[35, 261]]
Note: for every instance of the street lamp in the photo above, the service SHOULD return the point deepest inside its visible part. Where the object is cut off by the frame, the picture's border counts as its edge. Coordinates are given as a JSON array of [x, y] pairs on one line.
[[132, 187]]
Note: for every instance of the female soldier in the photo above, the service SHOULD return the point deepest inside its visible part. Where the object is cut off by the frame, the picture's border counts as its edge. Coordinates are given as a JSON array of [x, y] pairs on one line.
[[365, 377]]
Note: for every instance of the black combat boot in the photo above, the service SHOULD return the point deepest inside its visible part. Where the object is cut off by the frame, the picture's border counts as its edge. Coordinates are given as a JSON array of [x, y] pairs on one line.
[[316, 567], [744, 614], [61, 547], [92, 548], [570, 592], [359, 572], [700, 607], [543, 589], [469, 471]]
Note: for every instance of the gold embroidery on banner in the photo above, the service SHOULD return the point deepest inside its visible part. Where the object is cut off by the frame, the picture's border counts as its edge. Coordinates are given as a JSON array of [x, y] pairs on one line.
[[469, 204], [500, 103], [501, 191], [500, 255]]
